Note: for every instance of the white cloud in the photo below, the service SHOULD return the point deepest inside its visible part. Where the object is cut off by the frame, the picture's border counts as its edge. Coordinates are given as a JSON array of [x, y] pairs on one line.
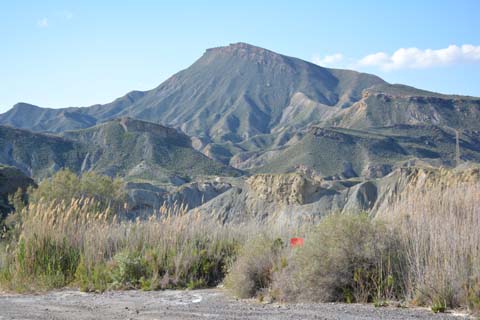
[[329, 60], [42, 23], [414, 58]]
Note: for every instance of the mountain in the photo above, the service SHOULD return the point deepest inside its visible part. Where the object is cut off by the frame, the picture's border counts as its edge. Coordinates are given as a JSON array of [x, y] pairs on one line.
[[144, 151], [229, 94], [34, 118], [240, 98], [38, 154], [133, 149]]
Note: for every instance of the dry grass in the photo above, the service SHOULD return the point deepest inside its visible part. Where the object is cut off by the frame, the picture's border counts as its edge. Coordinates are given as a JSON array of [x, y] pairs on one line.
[[439, 225], [54, 244], [51, 240]]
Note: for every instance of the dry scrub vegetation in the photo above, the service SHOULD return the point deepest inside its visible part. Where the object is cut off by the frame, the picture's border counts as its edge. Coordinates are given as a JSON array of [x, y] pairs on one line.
[[439, 228], [72, 243], [425, 250]]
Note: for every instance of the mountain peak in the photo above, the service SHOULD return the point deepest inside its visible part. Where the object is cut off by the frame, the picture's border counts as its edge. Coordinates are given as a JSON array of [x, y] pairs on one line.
[[25, 106], [245, 51], [239, 46]]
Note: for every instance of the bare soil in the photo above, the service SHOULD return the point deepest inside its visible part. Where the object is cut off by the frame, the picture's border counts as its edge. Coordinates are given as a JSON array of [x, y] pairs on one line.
[[197, 304]]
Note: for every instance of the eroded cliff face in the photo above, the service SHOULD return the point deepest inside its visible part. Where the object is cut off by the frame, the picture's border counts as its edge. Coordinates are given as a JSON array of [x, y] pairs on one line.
[[404, 180], [287, 189], [447, 177], [296, 196], [146, 197]]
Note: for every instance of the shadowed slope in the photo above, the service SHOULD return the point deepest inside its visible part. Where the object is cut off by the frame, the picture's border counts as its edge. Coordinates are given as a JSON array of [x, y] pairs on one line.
[[125, 147]]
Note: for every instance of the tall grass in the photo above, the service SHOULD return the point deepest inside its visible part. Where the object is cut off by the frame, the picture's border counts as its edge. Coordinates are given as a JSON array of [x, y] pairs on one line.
[[55, 243], [439, 225]]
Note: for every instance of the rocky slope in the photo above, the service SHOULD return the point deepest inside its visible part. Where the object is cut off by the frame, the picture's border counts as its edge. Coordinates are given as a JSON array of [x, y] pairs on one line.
[[304, 196], [39, 155], [130, 148], [338, 152], [144, 151]]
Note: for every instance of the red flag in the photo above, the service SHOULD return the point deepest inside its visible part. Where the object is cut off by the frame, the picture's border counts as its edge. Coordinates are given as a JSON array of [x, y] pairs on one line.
[[296, 242]]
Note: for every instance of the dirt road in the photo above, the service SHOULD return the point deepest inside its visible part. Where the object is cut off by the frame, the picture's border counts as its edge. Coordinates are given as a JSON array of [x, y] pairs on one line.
[[198, 304]]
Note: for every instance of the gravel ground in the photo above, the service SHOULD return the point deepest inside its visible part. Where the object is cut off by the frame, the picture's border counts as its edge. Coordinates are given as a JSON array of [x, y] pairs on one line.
[[197, 304]]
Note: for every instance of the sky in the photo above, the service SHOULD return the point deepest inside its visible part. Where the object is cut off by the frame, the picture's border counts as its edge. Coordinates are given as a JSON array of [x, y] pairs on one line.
[[78, 53]]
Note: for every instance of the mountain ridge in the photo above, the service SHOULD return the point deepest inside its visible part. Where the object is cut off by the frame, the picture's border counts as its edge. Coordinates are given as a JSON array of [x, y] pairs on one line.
[[127, 147]]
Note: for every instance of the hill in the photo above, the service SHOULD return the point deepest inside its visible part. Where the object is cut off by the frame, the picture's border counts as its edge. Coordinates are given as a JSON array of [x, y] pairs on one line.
[[38, 155], [144, 151], [353, 153], [130, 148]]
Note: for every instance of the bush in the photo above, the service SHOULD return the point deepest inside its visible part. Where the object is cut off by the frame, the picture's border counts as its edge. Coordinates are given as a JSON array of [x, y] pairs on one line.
[[95, 278], [349, 258], [66, 185], [128, 269], [252, 271]]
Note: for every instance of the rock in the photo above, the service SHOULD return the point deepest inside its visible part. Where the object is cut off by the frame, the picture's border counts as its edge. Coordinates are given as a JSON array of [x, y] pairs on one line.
[[282, 188], [145, 196]]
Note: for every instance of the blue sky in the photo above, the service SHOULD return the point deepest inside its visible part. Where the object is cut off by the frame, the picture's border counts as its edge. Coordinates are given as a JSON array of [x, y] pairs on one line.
[[78, 53]]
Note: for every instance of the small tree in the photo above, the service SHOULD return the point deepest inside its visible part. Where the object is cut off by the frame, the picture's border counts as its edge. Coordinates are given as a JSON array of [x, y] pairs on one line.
[[66, 185]]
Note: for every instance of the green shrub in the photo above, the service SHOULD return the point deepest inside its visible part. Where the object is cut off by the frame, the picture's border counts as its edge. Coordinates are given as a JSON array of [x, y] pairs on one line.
[[349, 258], [128, 269], [65, 185], [439, 307], [39, 263], [206, 265], [197, 264], [49, 263], [96, 278]]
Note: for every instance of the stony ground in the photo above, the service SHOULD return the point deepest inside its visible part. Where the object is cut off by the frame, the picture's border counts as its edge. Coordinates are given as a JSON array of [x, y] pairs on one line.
[[198, 304]]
